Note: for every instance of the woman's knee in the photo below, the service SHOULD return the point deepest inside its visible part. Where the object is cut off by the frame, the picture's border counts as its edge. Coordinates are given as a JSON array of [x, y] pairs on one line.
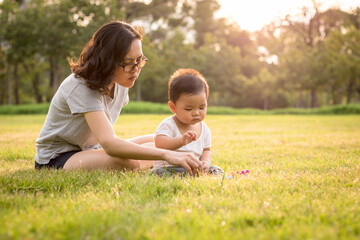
[[125, 163], [134, 164]]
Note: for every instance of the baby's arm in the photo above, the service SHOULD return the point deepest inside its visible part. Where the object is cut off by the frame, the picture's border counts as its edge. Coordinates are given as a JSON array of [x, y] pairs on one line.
[[205, 160], [173, 143]]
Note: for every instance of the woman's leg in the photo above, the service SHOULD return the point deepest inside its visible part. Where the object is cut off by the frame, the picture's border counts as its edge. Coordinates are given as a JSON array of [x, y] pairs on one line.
[[147, 164], [99, 159]]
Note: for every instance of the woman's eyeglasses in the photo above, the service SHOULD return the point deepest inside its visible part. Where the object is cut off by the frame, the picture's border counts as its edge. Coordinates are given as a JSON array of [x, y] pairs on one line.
[[128, 67]]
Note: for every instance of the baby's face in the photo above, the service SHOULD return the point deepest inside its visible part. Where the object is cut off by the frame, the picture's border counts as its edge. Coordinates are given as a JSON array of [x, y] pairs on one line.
[[191, 109]]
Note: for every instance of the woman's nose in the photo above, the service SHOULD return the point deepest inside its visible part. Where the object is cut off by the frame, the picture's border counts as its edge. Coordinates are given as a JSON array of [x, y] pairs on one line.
[[135, 69]]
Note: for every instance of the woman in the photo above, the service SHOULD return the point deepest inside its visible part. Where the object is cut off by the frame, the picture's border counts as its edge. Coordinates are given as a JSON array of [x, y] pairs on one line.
[[78, 131]]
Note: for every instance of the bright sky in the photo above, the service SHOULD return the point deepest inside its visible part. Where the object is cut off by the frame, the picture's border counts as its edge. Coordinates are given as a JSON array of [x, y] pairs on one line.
[[253, 14]]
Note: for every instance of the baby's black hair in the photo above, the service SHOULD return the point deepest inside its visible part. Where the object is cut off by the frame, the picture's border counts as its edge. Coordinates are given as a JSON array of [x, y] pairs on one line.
[[186, 81]]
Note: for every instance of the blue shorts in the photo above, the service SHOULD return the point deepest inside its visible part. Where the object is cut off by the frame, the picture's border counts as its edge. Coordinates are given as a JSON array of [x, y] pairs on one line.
[[176, 170], [58, 162]]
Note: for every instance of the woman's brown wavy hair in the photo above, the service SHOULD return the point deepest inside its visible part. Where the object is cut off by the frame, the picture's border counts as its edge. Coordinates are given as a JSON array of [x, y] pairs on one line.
[[103, 54]]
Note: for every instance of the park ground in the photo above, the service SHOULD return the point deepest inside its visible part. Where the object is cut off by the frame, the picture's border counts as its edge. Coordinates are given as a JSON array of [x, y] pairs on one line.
[[304, 183]]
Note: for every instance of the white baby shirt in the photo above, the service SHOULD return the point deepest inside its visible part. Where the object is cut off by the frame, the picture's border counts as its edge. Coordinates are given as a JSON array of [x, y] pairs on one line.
[[169, 128]]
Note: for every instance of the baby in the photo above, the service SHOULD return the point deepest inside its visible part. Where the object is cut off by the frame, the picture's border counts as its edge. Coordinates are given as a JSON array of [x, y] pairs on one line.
[[185, 131]]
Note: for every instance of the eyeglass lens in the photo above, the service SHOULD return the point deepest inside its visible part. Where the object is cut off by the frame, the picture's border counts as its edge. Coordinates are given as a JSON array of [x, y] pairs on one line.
[[131, 67]]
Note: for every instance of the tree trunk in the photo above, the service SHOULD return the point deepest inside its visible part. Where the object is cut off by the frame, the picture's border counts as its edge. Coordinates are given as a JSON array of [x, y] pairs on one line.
[[314, 98], [356, 96], [334, 98], [35, 80], [120, 4], [339, 97], [300, 100], [10, 93], [37, 93], [308, 100], [266, 103], [357, 93], [16, 84], [53, 74], [60, 76], [349, 91], [54, 80]]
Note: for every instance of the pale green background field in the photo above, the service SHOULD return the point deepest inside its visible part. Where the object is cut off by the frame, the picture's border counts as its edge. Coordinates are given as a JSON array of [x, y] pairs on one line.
[[304, 183]]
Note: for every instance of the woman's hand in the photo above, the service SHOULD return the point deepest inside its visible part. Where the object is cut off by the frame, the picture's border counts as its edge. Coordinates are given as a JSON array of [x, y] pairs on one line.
[[183, 159], [188, 137]]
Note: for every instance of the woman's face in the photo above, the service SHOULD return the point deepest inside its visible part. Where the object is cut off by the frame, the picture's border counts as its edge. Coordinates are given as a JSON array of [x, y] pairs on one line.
[[127, 79]]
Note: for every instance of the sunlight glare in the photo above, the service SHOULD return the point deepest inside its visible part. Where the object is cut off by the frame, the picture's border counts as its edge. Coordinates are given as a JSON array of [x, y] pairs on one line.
[[253, 15]]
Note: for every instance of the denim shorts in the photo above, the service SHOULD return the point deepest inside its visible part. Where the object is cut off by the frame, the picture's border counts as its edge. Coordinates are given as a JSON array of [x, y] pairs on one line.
[[180, 171], [58, 162]]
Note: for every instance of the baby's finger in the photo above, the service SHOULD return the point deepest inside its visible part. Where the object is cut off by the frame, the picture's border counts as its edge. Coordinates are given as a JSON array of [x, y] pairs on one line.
[[193, 135]]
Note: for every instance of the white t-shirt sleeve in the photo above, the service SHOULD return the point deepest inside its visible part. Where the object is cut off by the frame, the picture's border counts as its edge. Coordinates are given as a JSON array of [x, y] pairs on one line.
[[165, 128]]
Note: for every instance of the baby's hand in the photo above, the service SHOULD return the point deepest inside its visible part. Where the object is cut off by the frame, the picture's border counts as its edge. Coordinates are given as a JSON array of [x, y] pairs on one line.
[[205, 166], [188, 137]]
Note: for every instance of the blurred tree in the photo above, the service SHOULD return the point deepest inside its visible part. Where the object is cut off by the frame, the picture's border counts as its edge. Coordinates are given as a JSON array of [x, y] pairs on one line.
[[343, 63], [267, 83], [204, 21], [8, 11], [158, 16], [164, 58], [49, 31], [220, 63], [296, 61], [3, 90], [236, 37], [298, 43]]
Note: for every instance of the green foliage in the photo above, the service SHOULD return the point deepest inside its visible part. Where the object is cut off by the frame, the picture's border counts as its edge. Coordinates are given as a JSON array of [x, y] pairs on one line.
[[308, 59], [161, 108], [303, 184], [24, 109]]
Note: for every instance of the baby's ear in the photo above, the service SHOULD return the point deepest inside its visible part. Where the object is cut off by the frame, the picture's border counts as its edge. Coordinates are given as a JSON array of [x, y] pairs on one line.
[[171, 106]]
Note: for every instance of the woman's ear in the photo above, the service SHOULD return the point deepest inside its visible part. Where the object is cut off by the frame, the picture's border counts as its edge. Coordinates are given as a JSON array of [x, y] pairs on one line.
[[171, 106]]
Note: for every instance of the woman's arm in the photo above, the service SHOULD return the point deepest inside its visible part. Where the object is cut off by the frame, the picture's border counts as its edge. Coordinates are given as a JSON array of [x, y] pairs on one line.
[[112, 145]]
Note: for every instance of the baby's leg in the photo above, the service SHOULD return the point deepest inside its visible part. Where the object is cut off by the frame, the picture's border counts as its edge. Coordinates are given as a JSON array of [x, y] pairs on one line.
[[142, 139]]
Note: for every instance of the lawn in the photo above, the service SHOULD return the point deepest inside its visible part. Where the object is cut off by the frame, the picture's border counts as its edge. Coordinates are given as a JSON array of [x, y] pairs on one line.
[[304, 183]]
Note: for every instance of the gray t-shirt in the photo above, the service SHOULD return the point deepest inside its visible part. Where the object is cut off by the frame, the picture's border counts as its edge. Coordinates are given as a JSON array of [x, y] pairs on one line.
[[65, 128]]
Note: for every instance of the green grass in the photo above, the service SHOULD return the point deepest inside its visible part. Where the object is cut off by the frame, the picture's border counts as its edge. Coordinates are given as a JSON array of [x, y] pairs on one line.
[[162, 108], [304, 183]]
